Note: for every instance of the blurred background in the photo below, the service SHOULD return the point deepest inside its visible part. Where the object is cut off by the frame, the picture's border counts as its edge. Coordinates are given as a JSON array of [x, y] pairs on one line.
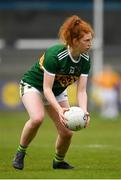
[[28, 27]]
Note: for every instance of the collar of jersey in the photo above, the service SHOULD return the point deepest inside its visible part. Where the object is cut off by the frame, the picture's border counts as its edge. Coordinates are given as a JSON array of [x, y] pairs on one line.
[[75, 61]]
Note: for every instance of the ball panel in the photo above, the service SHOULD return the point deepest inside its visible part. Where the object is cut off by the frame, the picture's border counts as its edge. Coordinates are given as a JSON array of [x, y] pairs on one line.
[[75, 118]]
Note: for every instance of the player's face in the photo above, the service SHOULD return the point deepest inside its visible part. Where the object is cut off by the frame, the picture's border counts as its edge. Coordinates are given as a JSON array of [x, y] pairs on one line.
[[85, 43]]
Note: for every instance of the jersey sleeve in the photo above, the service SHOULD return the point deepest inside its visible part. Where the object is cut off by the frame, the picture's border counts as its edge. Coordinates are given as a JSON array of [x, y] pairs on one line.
[[50, 63], [86, 68]]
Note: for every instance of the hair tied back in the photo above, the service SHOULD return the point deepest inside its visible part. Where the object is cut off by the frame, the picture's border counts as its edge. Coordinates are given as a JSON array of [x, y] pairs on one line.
[[77, 22]]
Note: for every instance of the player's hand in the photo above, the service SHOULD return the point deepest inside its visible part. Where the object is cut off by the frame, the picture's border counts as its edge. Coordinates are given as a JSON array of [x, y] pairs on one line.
[[87, 119], [61, 115]]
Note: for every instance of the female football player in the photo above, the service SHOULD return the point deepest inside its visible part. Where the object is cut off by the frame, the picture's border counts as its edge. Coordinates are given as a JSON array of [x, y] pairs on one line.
[[45, 84]]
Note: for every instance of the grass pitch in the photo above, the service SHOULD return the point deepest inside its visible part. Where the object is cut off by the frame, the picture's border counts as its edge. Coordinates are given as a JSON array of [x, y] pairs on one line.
[[95, 152]]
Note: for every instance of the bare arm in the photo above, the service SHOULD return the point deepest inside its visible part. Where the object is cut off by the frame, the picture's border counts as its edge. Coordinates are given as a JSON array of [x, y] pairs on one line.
[[81, 92], [47, 87], [82, 95]]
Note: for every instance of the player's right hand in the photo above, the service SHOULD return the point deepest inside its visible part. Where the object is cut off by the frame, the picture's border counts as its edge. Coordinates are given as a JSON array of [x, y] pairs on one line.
[[61, 115]]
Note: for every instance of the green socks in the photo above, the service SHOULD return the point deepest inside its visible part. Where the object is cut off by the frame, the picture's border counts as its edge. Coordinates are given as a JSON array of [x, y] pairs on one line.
[[59, 158], [21, 148]]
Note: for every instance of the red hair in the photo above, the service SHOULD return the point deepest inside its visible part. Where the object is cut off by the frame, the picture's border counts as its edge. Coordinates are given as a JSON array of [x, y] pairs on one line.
[[74, 27]]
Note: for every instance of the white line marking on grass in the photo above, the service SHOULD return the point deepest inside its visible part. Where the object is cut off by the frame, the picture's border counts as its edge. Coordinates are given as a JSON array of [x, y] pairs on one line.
[[91, 146], [98, 146]]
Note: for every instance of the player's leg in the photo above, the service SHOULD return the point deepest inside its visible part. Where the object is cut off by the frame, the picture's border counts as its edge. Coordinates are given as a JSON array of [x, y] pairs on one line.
[[34, 106], [63, 140]]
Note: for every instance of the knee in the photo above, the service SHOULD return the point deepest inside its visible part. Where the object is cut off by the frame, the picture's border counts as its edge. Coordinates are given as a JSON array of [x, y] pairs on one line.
[[37, 120]]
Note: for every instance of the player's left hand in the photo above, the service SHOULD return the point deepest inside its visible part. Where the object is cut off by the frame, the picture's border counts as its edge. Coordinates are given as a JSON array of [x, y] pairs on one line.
[[87, 118]]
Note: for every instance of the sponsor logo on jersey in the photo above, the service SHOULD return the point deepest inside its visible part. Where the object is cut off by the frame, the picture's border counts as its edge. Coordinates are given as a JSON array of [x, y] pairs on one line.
[[66, 80]]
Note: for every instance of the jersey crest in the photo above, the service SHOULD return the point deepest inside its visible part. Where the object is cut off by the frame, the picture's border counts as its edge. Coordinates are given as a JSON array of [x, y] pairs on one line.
[[72, 70]]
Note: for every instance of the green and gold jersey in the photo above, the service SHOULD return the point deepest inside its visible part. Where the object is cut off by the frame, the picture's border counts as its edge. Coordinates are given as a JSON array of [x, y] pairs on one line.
[[57, 61]]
